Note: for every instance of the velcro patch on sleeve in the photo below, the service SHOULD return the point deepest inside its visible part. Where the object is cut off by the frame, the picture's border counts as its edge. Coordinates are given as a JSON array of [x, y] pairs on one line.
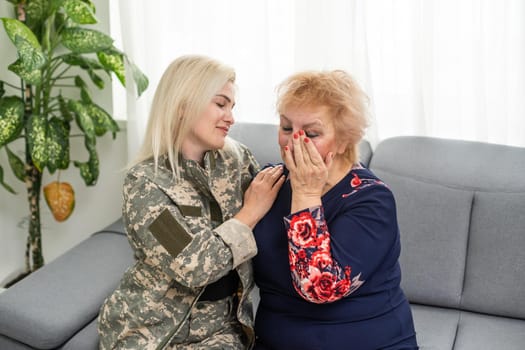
[[188, 210], [170, 234]]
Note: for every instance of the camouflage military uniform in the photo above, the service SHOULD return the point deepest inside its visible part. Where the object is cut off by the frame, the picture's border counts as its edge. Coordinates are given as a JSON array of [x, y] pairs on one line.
[[156, 304]]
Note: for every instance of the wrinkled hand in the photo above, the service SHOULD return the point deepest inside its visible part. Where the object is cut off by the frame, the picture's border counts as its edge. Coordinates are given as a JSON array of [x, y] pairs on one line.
[[308, 171], [260, 195]]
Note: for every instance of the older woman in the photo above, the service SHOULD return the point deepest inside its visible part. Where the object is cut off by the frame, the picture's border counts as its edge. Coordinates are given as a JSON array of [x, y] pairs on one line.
[[327, 266]]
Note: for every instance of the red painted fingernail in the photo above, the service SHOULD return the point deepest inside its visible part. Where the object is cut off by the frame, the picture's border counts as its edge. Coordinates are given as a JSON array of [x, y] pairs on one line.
[[301, 132], [295, 136], [286, 148], [306, 140]]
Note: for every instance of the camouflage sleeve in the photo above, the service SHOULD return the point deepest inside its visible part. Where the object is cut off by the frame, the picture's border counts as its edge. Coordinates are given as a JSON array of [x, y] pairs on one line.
[[252, 167], [205, 259], [238, 236]]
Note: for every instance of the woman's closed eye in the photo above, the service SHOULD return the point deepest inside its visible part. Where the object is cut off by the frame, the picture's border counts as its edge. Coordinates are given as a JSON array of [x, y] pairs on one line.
[[288, 130], [311, 134]]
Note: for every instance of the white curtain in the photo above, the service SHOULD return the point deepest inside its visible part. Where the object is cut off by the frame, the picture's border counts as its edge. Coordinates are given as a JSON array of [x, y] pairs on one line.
[[247, 35], [448, 68], [444, 68]]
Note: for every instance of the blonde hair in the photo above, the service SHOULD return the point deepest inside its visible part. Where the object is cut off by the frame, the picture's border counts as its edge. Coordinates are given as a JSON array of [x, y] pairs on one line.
[[184, 91], [336, 90]]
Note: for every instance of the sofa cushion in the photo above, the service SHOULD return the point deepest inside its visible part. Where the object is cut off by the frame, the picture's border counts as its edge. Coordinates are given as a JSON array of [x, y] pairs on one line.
[[261, 139], [433, 247], [495, 273], [428, 174], [86, 339], [435, 327], [10, 344], [460, 164], [365, 152], [483, 332], [60, 298]]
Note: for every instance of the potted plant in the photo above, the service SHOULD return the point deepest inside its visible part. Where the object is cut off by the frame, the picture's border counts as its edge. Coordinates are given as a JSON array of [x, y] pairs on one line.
[[56, 53]]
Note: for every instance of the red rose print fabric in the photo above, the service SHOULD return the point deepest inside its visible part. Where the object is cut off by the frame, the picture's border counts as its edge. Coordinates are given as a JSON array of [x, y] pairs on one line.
[[316, 276]]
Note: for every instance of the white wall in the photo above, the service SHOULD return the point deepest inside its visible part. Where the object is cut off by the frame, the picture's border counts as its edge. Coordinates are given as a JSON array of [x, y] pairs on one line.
[[96, 206]]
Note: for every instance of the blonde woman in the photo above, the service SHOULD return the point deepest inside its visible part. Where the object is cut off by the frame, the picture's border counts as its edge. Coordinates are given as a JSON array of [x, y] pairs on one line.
[[191, 200]]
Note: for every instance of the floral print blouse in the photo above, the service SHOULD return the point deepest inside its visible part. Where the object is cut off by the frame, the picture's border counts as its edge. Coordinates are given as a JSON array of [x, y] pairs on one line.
[[328, 272], [316, 275]]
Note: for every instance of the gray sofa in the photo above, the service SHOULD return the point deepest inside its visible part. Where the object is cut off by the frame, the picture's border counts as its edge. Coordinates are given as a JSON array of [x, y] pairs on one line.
[[461, 209]]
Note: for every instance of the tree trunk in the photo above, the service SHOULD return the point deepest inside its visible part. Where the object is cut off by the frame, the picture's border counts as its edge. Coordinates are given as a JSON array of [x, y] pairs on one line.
[[34, 257], [33, 178]]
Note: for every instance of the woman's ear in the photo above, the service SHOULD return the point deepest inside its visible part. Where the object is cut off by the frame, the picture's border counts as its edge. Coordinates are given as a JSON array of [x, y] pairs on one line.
[[342, 147]]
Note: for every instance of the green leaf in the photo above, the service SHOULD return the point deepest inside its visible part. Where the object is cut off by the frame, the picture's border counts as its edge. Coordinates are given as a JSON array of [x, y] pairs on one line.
[[84, 121], [64, 109], [96, 79], [102, 121], [90, 4], [61, 20], [2, 90], [88, 64], [140, 79], [17, 165], [79, 12], [31, 57], [81, 61], [54, 5], [36, 12], [36, 138], [113, 61], [89, 170], [11, 119], [30, 76], [92, 119], [80, 83], [84, 91], [81, 40], [57, 144], [6, 186], [14, 28]]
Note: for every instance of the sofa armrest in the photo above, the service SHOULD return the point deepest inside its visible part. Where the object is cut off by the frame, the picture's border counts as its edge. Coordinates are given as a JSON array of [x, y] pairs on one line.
[[49, 306]]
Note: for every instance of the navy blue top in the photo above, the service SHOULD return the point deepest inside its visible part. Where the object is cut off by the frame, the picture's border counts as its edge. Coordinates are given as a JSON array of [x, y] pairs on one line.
[[329, 276]]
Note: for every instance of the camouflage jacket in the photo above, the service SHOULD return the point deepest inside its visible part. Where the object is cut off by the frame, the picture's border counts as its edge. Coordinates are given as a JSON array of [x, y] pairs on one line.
[[156, 294]]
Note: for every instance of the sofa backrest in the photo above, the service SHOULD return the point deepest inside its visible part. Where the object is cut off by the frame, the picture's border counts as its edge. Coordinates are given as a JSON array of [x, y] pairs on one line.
[[261, 139], [461, 212]]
